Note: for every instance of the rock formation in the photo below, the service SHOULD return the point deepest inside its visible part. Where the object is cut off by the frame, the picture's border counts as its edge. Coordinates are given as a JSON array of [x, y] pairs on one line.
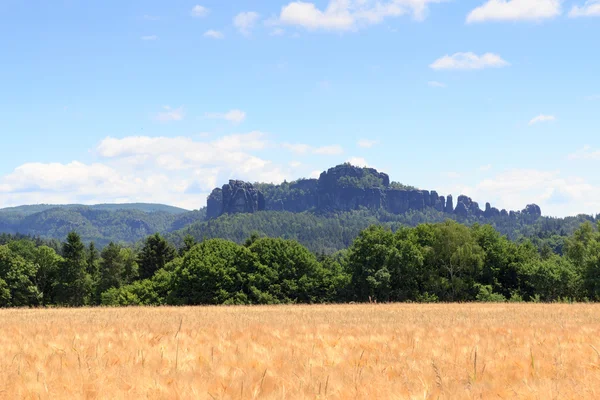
[[346, 188], [214, 204], [234, 197]]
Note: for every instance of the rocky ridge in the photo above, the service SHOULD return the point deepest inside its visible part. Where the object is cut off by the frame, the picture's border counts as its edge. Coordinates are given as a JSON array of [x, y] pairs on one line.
[[345, 188]]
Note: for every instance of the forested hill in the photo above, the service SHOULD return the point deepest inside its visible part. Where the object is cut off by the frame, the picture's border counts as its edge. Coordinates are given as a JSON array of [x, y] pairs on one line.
[[146, 207], [103, 223], [330, 232], [324, 214]]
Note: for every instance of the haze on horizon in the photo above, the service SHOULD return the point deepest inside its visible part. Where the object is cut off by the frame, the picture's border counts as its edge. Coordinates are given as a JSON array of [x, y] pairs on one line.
[[154, 102]]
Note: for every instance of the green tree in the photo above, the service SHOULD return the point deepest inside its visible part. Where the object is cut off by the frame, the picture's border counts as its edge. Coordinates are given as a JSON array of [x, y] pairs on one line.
[[131, 268], [368, 263], [155, 254], [48, 263], [458, 257], [17, 280], [188, 242], [112, 268], [287, 271], [212, 272], [93, 259], [74, 284]]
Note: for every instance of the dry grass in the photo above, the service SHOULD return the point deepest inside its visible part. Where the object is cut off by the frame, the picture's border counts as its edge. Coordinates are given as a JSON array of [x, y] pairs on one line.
[[303, 352]]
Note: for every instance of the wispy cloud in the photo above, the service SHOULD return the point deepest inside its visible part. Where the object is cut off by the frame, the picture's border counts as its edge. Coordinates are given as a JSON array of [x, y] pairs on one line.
[[235, 116], [485, 168], [593, 97], [170, 114], [557, 193], [345, 15], [436, 84], [515, 10], [542, 118], [171, 170], [246, 21], [199, 11], [358, 162], [213, 34], [585, 153], [590, 8], [468, 61], [150, 37]]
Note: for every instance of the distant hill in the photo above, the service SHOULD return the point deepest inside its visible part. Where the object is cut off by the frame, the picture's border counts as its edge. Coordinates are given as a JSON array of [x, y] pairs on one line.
[[101, 223], [331, 232], [324, 214], [145, 207]]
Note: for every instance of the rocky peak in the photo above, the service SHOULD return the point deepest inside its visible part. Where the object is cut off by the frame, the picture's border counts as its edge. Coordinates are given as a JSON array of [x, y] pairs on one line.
[[241, 197], [344, 188]]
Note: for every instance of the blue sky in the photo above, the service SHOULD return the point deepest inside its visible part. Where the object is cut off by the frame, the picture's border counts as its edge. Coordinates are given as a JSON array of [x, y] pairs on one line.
[[155, 101]]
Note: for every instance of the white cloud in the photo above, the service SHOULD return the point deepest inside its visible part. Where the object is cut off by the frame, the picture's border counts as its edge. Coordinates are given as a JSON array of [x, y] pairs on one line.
[[169, 114], [366, 143], [586, 153], [485, 168], [235, 116], [199, 11], [150, 37], [436, 84], [179, 171], [213, 34], [557, 194], [246, 21], [590, 8], [515, 10], [343, 15], [469, 61], [358, 162], [542, 118]]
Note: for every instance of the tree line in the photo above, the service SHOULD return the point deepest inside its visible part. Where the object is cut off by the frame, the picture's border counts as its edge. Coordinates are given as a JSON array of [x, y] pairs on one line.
[[445, 262]]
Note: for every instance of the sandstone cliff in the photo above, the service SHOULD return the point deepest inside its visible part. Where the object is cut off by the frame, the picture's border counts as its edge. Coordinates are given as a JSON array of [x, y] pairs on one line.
[[345, 188]]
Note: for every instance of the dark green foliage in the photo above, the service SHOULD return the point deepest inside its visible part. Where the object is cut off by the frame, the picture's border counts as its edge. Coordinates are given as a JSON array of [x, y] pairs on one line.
[[101, 224], [155, 254], [445, 261], [212, 272], [287, 272], [330, 232], [147, 292], [73, 286], [47, 262], [112, 268], [17, 280]]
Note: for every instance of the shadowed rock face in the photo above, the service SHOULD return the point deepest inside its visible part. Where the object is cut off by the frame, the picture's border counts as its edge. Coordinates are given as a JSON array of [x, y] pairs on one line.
[[241, 197], [533, 209], [214, 204], [345, 188]]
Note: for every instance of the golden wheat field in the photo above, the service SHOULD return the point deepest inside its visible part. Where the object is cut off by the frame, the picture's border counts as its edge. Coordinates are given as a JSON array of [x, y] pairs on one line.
[[303, 352]]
